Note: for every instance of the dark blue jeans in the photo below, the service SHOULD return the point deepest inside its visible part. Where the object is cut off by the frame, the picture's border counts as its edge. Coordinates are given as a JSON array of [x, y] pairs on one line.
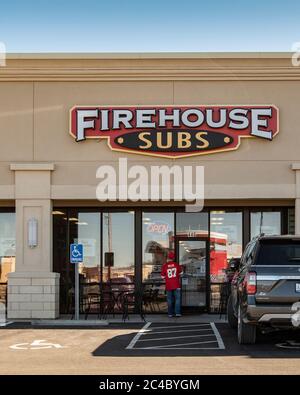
[[174, 298]]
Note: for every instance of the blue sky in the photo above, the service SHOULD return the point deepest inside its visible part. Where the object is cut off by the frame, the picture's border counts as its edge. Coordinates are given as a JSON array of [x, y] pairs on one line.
[[149, 26]]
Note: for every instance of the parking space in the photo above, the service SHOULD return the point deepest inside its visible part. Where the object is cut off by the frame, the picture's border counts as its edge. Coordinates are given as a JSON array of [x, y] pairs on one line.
[[203, 336], [198, 340], [191, 348]]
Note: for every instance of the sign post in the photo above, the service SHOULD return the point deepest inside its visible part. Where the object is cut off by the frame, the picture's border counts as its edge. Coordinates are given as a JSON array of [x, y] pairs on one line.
[[76, 257]]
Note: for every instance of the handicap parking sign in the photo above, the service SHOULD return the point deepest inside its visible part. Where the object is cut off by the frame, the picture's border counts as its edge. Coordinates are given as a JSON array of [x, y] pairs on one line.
[[76, 253]]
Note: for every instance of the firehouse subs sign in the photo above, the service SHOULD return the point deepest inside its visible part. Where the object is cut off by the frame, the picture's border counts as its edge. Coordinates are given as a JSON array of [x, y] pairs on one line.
[[174, 132]]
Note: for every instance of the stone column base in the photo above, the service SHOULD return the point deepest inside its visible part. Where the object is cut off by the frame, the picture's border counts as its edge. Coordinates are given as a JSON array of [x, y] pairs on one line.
[[33, 295]]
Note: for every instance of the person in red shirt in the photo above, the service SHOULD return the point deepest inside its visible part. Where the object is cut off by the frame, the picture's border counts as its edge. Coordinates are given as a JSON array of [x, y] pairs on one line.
[[171, 273]]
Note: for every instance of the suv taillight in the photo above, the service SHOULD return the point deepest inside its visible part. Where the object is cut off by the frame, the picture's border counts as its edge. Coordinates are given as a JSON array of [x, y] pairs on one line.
[[250, 283]]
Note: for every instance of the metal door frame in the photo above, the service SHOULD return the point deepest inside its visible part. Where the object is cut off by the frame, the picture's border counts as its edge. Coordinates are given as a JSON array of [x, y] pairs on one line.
[[205, 308]]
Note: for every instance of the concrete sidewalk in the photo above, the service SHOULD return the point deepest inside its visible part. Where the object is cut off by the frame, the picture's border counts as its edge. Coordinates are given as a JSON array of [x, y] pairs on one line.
[[164, 318], [67, 320]]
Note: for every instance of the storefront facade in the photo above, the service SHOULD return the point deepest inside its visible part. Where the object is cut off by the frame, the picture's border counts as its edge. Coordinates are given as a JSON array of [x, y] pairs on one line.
[[50, 154]]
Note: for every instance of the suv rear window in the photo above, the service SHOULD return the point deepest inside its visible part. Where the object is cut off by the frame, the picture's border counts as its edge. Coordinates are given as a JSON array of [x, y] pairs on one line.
[[278, 252]]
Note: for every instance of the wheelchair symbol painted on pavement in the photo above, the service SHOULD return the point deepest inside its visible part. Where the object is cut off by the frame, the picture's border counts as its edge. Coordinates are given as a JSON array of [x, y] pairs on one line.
[[290, 344], [36, 345]]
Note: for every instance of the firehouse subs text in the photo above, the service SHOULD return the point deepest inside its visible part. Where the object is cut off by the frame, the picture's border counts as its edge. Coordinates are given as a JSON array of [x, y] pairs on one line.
[[174, 132]]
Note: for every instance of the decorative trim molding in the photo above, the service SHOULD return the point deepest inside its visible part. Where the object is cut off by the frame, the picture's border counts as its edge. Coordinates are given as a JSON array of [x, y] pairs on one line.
[[150, 74], [150, 67], [151, 55], [217, 191], [32, 166]]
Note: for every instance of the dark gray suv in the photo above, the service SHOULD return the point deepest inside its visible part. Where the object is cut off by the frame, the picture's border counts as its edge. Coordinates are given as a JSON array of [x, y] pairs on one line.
[[265, 286]]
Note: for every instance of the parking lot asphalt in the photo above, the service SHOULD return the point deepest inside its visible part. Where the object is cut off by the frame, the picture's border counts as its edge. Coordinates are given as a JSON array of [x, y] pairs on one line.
[[152, 348], [200, 340]]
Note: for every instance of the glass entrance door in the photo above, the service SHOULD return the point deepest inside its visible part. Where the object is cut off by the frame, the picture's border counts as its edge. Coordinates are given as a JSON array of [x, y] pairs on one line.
[[193, 257]]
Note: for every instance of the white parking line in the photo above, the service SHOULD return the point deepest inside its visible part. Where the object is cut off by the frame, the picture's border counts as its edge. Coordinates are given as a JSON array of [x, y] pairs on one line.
[[5, 323], [175, 346], [149, 332], [176, 337], [146, 330], [137, 336], [218, 336], [179, 326]]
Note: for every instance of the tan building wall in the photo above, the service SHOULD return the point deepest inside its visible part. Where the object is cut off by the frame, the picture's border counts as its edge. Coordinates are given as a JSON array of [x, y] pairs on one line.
[[37, 92]]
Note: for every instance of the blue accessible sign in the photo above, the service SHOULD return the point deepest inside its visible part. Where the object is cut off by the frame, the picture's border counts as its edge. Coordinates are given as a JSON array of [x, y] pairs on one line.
[[76, 253]]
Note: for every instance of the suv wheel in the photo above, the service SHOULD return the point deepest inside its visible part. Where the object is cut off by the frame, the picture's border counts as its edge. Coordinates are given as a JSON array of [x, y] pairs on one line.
[[232, 320], [246, 332]]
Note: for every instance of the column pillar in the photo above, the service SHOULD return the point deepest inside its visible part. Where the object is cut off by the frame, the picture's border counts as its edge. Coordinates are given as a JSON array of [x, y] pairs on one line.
[[33, 289], [296, 168]]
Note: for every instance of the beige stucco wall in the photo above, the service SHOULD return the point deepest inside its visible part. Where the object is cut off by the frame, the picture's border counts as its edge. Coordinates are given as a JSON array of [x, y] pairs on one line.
[[41, 165], [37, 92]]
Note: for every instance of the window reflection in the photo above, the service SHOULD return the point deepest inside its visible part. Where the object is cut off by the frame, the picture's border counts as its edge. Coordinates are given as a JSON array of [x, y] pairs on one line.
[[116, 235], [267, 222], [89, 235], [118, 239], [85, 228], [7, 250], [192, 255], [192, 224], [60, 258], [158, 240], [226, 242], [291, 221], [7, 245]]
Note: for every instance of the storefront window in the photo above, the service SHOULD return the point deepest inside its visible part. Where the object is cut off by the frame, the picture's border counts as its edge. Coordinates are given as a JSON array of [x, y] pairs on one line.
[[267, 222], [192, 225], [192, 255], [60, 258], [7, 251], [118, 243], [7, 245], [158, 240], [226, 241], [118, 239], [291, 221], [85, 228], [112, 234], [89, 235]]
